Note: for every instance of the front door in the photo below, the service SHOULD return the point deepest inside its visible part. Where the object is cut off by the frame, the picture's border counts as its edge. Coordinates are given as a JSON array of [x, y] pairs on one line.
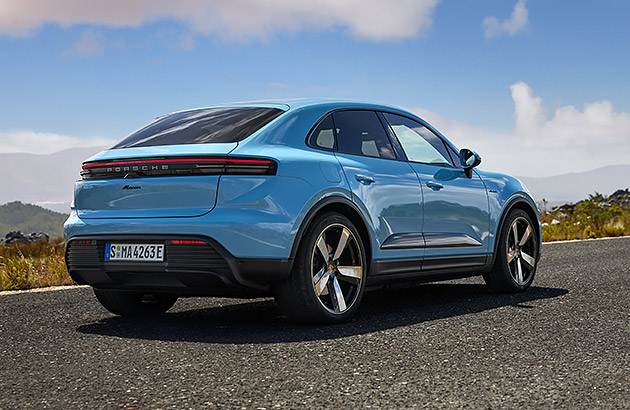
[[456, 215]]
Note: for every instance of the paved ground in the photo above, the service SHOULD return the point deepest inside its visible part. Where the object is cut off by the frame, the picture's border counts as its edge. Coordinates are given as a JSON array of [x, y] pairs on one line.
[[563, 344]]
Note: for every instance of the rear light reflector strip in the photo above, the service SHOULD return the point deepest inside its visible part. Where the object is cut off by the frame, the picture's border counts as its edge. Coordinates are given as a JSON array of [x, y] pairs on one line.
[[83, 242], [187, 242]]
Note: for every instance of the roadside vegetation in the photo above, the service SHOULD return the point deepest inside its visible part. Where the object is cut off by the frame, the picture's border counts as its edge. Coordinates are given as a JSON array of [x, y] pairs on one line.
[[599, 216], [35, 265]]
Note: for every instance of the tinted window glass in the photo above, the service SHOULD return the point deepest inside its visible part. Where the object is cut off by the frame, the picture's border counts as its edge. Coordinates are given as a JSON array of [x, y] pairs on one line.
[[361, 132], [201, 127], [323, 135], [419, 143]]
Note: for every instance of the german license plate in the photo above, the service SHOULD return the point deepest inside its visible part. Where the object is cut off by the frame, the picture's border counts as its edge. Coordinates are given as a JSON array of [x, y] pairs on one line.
[[143, 252]]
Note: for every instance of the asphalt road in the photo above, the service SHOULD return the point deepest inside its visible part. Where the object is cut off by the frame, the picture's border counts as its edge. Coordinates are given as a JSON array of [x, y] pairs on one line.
[[563, 344]]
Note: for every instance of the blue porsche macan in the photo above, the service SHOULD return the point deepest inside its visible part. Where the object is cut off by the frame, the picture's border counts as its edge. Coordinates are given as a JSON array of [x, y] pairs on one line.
[[311, 201]]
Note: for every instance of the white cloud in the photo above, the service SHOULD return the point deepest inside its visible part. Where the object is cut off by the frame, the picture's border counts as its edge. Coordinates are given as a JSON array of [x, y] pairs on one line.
[[234, 19], [545, 142], [91, 43], [24, 141], [515, 24]]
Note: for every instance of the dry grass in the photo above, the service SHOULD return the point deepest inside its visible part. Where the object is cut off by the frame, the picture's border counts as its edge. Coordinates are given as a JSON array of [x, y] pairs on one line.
[[588, 221], [33, 265]]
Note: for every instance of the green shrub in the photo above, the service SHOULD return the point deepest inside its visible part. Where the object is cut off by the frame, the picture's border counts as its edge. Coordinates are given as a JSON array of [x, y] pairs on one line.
[[593, 218]]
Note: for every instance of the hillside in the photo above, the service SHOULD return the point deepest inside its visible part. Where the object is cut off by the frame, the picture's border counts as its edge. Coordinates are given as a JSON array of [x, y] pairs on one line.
[[560, 189], [16, 216]]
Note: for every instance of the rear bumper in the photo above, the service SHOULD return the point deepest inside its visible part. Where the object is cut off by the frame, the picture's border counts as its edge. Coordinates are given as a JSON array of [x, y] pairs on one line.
[[205, 269]]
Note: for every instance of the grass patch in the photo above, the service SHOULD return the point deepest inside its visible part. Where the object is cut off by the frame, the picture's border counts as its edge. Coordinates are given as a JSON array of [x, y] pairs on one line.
[[26, 266], [596, 217]]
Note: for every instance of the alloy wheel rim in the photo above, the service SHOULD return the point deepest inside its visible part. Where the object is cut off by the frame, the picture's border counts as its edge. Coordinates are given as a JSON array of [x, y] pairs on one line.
[[337, 268], [521, 251]]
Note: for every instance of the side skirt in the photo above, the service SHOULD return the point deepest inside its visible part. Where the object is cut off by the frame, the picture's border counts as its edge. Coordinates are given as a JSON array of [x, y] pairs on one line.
[[428, 269]]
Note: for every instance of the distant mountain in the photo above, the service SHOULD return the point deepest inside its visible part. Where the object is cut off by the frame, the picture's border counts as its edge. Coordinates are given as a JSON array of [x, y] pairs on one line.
[[576, 186], [45, 180], [16, 216]]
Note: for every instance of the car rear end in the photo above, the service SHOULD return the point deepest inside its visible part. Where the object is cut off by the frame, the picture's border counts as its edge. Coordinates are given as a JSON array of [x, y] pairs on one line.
[[143, 216]]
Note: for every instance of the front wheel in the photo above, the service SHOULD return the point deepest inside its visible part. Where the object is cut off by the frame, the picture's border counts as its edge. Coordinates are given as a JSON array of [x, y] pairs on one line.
[[135, 304], [515, 264], [328, 278]]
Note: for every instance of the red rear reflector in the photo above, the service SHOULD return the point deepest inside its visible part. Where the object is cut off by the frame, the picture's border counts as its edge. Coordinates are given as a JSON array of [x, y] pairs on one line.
[[82, 242], [185, 242]]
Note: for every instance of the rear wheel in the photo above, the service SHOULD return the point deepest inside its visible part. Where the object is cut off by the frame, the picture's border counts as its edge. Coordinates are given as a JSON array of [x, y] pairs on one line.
[[328, 277], [136, 304], [515, 264]]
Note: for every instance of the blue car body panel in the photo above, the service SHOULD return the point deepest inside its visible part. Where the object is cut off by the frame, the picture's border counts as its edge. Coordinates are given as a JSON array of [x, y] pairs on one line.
[[392, 203], [264, 216], [460, 207]]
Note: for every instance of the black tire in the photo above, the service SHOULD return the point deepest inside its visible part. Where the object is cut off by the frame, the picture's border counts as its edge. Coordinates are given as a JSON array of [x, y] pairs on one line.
[[135, 304], [325, 291], [517, 254]]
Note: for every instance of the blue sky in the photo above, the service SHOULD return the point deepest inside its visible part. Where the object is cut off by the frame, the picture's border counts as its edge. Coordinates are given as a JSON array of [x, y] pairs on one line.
[[510, 79]]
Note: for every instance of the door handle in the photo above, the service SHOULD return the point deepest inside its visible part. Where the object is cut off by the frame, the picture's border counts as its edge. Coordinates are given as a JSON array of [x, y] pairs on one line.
[[364, 179], [436, 186]]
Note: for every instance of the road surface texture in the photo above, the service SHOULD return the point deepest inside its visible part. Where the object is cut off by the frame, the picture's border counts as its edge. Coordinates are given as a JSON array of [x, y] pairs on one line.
[[563, 344]]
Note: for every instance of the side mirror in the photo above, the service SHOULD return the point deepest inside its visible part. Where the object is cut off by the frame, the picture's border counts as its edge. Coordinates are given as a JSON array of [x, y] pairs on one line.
[[468, 160]]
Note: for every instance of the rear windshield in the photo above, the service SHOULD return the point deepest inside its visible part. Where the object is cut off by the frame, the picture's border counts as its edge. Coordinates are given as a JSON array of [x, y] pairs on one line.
[[201, 127]]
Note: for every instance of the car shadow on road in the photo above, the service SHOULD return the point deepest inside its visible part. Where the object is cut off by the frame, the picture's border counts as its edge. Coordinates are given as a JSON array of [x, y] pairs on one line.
[[259, 321]]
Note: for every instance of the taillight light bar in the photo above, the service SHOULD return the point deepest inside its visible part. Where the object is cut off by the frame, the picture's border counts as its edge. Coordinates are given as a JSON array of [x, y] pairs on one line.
[[171, 166]]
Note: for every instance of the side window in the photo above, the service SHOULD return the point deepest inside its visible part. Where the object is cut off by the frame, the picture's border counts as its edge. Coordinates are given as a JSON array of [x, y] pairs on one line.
[[362, 133], [323, 135], [419, 143]]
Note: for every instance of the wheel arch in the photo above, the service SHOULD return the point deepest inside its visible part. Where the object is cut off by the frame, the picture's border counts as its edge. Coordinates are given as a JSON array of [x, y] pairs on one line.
[[517, 202], [341, 206]]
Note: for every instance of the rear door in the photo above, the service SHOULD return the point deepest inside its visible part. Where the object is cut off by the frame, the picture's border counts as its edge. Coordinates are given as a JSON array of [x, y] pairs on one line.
[[456, 216], [386, 187]]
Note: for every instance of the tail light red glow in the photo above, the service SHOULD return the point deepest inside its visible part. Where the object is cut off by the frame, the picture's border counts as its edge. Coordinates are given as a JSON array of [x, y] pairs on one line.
[[82, 242], [169, 166], [187, 242]]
